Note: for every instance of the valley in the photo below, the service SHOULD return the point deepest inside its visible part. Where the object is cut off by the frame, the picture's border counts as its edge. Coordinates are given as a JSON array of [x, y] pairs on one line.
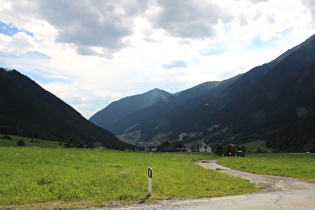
[[156, 104], [272, 103]]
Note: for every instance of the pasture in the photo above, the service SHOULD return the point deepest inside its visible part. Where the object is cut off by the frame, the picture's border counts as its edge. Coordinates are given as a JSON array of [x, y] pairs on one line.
[[45, 178], [300, 166], [45, 175]]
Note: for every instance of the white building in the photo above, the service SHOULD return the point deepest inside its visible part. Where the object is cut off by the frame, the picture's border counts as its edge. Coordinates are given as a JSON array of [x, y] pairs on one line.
[[205, 148]]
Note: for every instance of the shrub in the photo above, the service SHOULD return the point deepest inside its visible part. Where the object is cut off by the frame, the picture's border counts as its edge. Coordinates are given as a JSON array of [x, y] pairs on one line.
[[21, 143], [7, 137]]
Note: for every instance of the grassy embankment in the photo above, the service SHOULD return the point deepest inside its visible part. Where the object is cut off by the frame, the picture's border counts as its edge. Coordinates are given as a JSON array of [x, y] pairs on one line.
[[288, 165], [32, 177], [29, 142]]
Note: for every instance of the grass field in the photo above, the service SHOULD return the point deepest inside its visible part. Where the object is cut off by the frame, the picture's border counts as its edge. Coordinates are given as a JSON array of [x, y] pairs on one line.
[[289, 165], [32, 177], [45, 175], [257, 145], [29, 142]]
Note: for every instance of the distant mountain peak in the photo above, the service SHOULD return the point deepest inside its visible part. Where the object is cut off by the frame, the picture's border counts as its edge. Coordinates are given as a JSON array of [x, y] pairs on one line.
[[117, 110]]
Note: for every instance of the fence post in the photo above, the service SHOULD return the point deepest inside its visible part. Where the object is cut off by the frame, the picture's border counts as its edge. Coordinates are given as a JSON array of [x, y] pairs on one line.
[[149, 181]]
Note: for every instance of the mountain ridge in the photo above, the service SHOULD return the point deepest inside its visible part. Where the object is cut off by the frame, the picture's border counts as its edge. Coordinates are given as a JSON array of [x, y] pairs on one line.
[[117, 110], [28, 110]]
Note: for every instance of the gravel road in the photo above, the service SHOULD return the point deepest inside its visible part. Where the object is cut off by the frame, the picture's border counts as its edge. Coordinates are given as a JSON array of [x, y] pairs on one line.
[[268, 183], [279, 193]]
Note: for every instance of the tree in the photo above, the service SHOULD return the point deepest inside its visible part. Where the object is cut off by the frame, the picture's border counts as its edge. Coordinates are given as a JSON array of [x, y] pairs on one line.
[[74, 142], [179, 145], [21, 143], [219, 150], [229, 150], [243, 148], [163, 146]]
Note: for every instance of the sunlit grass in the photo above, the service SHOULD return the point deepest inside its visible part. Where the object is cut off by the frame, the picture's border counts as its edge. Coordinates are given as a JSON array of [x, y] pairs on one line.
[[289, 165], [101, 177]]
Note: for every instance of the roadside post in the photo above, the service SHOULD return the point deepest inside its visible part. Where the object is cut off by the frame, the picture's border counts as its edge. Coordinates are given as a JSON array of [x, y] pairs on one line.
[[149, 181]]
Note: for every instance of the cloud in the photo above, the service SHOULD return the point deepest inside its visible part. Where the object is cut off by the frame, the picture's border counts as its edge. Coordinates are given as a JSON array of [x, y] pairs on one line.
[[175, 64], [18, 43], [189, 19], [258, 1], [311, 7], [84, 100], [88, 24]]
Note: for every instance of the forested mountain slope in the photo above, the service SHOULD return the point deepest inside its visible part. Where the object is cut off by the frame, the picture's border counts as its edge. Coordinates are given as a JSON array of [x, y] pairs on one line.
[[27, 109], [114, 112]]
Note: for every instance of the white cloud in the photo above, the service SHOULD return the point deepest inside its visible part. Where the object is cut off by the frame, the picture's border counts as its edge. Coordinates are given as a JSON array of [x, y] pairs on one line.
[[18, 44], [258, 1], [310, 4]]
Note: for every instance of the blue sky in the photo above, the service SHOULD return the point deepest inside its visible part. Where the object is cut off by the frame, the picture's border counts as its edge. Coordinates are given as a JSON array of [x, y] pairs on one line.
[[175, 64], [90, 53], [10, 30]]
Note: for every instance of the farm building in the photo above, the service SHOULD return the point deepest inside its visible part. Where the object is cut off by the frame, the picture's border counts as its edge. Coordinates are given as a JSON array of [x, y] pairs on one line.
[[205, 148]]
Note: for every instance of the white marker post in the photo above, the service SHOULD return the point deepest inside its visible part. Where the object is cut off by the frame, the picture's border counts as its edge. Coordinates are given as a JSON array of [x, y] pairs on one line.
[[149, 181]]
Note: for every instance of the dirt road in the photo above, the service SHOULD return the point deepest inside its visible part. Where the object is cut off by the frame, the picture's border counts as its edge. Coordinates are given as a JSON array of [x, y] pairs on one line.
[[280, 193]]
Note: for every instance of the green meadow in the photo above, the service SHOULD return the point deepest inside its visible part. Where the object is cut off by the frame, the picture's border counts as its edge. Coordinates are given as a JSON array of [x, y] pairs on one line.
[[300, 166], [33, 177], [45, 175]]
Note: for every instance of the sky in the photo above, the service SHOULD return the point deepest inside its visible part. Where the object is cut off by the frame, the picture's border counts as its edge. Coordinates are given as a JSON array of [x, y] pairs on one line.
[[90, 53]]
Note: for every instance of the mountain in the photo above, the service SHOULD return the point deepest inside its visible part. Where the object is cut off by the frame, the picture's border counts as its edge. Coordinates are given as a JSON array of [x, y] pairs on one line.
[[114, 112], [155, 115], [270, 102], [27, 109]]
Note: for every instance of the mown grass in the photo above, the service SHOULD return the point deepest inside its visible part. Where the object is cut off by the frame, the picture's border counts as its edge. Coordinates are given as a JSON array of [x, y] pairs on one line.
[[288, 165], [42, 178]]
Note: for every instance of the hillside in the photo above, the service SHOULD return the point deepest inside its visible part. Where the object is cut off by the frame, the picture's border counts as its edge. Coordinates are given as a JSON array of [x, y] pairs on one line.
[[28, 110], [153, 116], [114, 112], [266, 103]]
